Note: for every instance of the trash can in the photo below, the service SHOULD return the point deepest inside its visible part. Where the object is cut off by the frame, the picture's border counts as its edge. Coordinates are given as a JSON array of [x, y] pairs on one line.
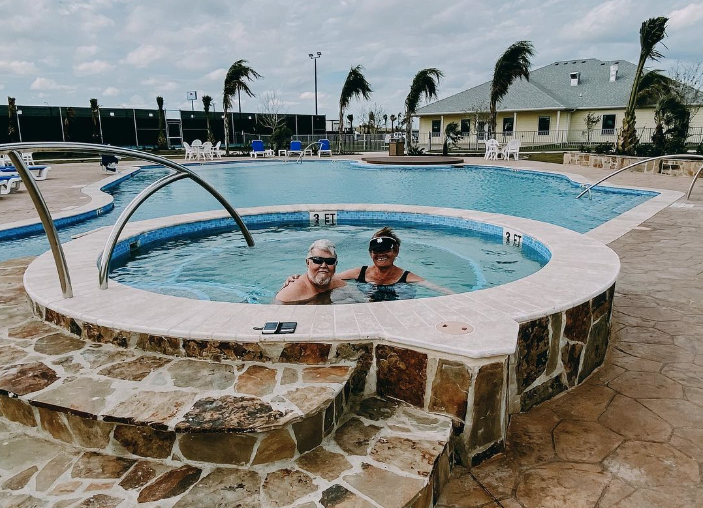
[[396, 148]]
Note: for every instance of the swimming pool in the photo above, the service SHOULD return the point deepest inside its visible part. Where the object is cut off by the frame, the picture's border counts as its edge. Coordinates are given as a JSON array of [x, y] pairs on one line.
[[541, 196], [221, 267]]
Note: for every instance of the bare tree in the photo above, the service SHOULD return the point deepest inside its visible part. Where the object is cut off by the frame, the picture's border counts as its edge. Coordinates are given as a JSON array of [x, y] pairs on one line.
[[272, 111], [687, 85], [591, 121]]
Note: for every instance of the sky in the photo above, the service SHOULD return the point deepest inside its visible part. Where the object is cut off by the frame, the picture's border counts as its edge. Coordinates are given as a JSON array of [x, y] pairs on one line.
[[126, 52]]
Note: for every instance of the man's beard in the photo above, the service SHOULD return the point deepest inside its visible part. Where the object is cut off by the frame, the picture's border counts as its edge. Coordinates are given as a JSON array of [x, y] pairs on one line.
[[321, 278]]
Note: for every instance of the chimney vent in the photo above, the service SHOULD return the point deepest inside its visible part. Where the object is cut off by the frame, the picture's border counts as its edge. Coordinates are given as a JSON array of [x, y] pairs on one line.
[[575, 78], [613, 72]]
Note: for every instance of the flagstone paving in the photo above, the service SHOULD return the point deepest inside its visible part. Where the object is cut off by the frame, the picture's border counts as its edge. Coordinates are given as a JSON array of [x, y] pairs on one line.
[[632, 435]]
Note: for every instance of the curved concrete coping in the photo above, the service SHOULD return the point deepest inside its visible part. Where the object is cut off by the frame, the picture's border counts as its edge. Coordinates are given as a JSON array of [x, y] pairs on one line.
[[580, 268], [100, 202]]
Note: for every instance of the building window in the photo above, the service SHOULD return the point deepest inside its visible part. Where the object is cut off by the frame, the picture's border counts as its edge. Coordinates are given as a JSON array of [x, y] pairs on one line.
[[465, 126], [608, 125], [436, 128], [508, 126], [481, 130], [543, 125]]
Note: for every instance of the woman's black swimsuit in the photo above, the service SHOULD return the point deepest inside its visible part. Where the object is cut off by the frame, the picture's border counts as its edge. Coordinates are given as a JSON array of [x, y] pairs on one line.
[[382, 292], [362, 277]]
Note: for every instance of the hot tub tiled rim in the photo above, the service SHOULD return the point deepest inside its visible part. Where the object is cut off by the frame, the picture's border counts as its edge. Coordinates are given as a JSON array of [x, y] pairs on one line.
[[495, 320]]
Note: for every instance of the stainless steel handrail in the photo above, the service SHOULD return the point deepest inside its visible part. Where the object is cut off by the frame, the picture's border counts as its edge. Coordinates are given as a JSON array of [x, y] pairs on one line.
[[302, 153], [45, 216], [660, 157], [46, 220], [695, 177]]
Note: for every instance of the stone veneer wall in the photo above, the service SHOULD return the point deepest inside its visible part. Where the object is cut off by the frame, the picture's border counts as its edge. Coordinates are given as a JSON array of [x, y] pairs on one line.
[[554, 353], [559, 351], [674, 167]]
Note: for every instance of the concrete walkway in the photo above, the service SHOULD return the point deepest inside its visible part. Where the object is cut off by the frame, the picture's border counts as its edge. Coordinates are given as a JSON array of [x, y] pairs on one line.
[[632, 435]]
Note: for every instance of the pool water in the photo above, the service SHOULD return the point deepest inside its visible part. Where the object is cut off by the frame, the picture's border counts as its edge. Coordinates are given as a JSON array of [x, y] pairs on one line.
[[221, 267], [540, 196]]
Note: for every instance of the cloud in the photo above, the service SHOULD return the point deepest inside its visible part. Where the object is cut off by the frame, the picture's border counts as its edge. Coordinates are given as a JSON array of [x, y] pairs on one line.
[[47, 84], [85, 52], [689, 15], [216, 75], [94, 67], [160, 84], [144, 55], [604, 20], [18, 67], [111, 91]]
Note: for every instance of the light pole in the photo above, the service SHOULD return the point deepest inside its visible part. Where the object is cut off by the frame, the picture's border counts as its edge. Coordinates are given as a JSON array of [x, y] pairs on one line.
[[314, 59]]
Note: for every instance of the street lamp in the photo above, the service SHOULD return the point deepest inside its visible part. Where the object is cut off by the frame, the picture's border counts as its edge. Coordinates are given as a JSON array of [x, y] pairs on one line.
[[314, 59]]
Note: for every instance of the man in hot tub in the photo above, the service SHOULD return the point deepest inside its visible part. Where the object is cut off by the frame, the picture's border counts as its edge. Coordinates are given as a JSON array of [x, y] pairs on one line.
[[316, 285]]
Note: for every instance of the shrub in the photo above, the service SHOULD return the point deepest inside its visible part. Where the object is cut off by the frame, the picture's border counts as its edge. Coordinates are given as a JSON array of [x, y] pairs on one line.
[[415, 150], [604, 148]]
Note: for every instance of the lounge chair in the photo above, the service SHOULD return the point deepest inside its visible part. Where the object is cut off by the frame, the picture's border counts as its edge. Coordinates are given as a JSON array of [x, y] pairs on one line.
[[108, 163], [296, 148], [9, 183], [512, 148], [38, 172], [257, 148], [28, 158], [324, 148], [189, 151]]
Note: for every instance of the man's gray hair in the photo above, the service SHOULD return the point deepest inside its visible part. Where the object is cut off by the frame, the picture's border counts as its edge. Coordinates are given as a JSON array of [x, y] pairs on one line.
[[323, 244]]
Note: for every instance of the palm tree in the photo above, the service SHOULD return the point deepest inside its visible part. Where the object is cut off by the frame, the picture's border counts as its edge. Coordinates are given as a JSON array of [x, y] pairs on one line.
[[652, 32], [95, 114], [425, 85], [513, 64], [355, 86], [161, 139], [350, 118], [207, 102], [451, 134], [385, 122], [393, 118], [12, 129], [236, 80]]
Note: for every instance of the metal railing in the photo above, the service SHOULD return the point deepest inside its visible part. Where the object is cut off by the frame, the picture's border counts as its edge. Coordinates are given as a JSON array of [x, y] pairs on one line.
[[644, 161], [14, 149]]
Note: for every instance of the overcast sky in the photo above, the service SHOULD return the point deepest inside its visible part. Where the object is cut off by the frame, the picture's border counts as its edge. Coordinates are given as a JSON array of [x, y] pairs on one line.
[[126, 52]]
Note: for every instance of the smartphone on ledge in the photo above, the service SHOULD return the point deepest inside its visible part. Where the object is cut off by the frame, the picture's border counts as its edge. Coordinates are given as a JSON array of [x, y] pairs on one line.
[[270, 327], [288, 327]]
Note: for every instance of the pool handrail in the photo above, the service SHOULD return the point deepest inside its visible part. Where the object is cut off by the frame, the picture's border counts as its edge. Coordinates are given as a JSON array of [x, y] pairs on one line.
[[300, 157], [643, 161], [14, 149]]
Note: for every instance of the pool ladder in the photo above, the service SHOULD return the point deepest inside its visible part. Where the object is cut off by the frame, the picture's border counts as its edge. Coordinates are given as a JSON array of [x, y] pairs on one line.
[[660, 157], [14, 151], [299, 160]]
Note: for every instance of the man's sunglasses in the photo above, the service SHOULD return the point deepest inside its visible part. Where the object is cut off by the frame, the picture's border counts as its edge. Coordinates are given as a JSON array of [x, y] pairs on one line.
[[318, 260]]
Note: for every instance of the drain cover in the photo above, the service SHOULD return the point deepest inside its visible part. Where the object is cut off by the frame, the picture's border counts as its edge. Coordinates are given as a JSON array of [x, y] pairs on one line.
[[455, 327]]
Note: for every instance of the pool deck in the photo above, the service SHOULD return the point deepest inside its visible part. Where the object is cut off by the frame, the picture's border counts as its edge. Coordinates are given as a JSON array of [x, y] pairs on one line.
[[630, 436]]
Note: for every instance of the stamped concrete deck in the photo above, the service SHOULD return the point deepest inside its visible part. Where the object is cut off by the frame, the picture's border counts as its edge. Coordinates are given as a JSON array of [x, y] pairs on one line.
[[631, 436]]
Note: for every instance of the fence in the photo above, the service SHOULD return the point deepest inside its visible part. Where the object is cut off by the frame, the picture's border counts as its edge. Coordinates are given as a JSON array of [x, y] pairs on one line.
[[139, 128]]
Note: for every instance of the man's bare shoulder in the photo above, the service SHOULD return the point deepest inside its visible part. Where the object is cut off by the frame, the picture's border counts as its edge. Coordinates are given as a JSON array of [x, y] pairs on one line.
[[294, 291]]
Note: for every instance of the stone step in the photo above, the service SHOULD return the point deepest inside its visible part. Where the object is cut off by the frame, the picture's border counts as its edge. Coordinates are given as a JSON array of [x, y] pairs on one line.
[[101, 397], [383, 455]]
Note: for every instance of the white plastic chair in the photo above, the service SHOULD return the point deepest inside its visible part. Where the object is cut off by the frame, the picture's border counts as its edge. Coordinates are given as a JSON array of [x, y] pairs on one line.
[[189, 151], [207, 151], [28, 158], [492, 149], [197, 148], [216, 150], [513, 147]]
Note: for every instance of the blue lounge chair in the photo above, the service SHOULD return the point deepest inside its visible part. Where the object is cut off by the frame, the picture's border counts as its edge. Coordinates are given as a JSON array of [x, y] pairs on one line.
[[296, 148], [324, 148], [257, 148], [38, 172], [9, 183]]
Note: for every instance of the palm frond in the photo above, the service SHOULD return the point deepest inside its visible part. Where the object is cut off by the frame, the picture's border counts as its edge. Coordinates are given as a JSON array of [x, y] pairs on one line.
[[514, 63], [425, 84], [652, 32], [355, 86], [652, 87]]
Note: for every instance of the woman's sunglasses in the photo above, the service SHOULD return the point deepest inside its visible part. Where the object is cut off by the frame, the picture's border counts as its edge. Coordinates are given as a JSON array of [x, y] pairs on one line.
[[318, 260]]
